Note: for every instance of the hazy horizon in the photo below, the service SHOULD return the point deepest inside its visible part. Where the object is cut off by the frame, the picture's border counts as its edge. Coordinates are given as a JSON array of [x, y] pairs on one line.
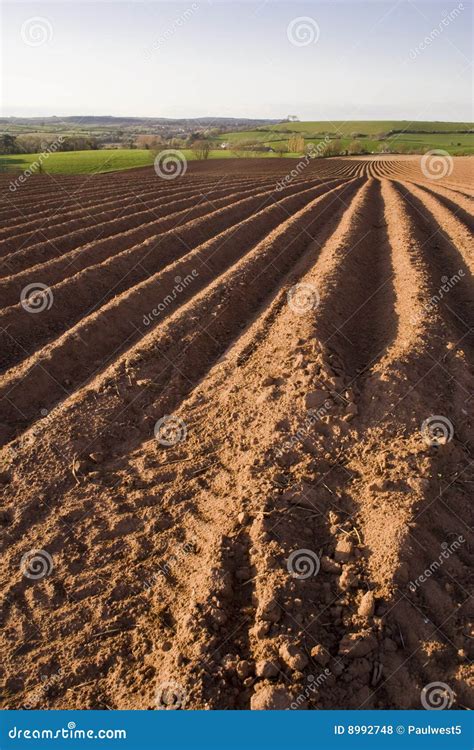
[[256, 60], [229, 117]]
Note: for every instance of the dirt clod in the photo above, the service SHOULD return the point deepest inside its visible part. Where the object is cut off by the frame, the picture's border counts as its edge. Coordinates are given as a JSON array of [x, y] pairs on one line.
[[367, 605], [293, 656], [269, 698]]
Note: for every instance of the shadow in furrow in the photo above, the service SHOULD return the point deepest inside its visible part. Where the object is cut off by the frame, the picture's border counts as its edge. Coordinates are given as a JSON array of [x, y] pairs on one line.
[[357, 320], [452, 284]]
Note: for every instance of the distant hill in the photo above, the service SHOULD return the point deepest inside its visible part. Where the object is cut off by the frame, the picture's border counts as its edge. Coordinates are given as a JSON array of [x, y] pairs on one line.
[[241, 135], [369, 127], [124, 122], [371, 136]]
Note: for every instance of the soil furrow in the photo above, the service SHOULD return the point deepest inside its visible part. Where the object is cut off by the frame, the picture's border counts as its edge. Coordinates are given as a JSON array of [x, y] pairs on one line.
[[142, 243], [38, 231], [147, 222], [97, 285], [452, 284]]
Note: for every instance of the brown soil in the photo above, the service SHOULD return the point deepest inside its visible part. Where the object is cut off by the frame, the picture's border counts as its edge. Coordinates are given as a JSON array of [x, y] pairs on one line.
[[304, 544]]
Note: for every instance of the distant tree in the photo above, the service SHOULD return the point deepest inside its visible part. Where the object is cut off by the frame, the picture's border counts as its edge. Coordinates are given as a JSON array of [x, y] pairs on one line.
[[8, 144], [355, 147], [201, 149], [149, 141], [78, 143], [239, 148], [30, 143], [402, 148], [296, 144], [333, 148], [249, 148], [177, 143]]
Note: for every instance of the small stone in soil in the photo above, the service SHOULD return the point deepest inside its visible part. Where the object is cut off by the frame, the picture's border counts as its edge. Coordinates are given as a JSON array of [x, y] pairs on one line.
[[367, 605], [343, 551]]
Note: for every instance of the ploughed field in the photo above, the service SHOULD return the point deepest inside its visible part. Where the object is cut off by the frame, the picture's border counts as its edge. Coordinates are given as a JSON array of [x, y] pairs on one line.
[[236, 416]]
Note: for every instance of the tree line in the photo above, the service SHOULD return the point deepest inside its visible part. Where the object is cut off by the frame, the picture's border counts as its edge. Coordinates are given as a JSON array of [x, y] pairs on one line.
[[35, 143]]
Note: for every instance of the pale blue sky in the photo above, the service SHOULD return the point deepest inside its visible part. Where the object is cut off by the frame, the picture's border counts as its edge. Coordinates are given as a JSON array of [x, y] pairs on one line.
[[211, 58]]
